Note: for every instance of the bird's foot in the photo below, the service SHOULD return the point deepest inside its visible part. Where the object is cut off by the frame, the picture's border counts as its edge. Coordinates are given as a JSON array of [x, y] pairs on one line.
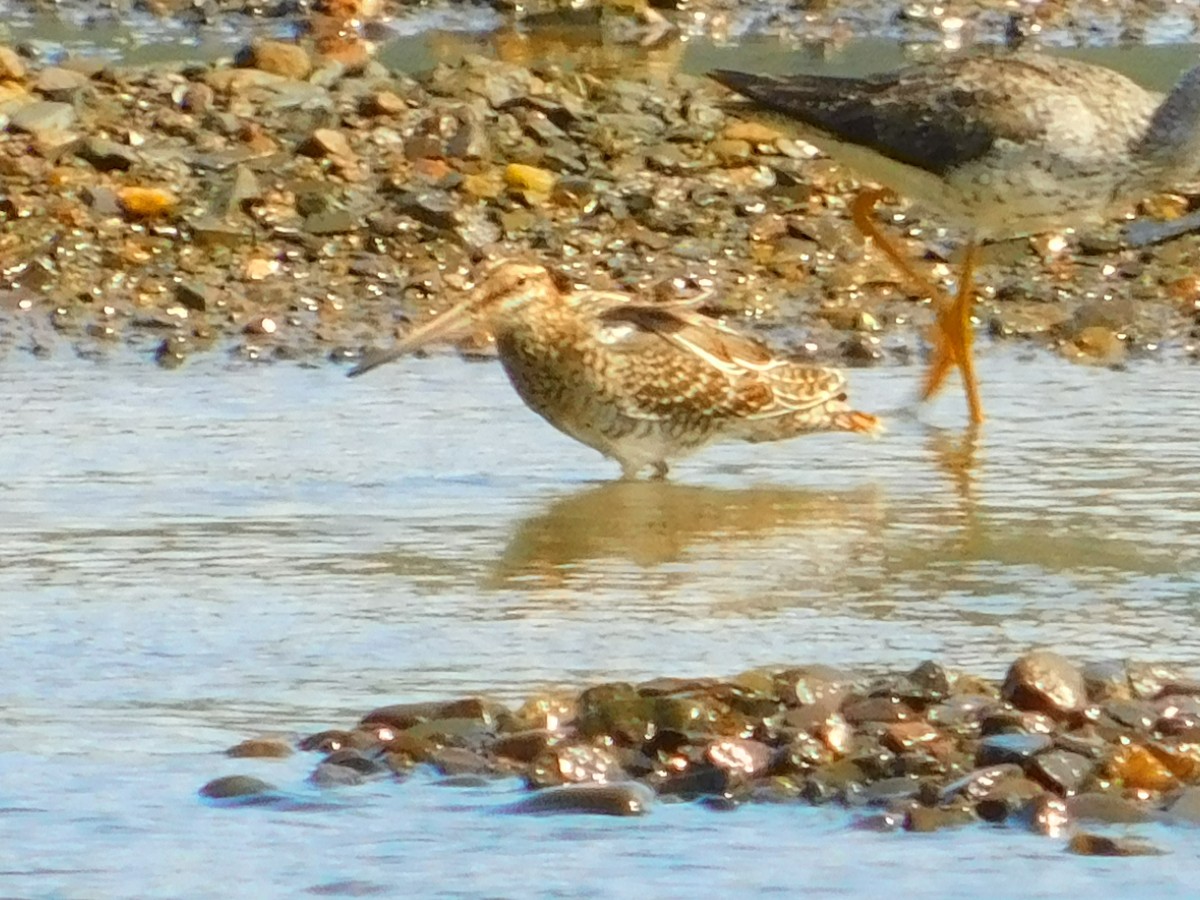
[[954, 336]]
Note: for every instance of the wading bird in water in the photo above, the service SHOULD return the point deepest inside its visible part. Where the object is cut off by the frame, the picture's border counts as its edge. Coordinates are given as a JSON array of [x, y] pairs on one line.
[[643, 383], [1001, 146]]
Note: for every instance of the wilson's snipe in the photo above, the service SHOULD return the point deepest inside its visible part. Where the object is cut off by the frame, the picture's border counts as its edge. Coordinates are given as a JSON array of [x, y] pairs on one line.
[[1000, 145], [642, 383]]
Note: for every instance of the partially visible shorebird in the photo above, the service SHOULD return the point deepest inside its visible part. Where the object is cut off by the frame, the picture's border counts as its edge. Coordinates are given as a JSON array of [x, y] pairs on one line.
[[643, 383], [1001, 146]]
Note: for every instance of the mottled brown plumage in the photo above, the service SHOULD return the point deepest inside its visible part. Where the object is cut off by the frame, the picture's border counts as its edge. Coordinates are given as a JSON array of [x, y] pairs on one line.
[[642, 383], [1000, 145]]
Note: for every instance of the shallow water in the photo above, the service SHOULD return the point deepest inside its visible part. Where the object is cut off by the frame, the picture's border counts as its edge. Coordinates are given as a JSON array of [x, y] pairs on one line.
[[189, 558]]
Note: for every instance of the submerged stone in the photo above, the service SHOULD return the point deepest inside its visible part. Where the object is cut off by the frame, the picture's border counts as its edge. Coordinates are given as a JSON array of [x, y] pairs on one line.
[[623, 799], [237, 787]]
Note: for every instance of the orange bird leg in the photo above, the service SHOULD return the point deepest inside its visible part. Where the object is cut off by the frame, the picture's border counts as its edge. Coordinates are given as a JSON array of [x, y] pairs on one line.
[[860, 214], [954, 334], [953, 340]]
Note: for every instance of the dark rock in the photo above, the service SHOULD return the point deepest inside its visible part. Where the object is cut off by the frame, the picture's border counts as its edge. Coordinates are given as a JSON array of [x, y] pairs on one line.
[[622, 799], [1086, 844], [238, 787], [975, 785], [401, 716], [697, 781], [326, 741], [1006, 797], [267, 748], [877, 709], [1061, 771], [924, 819], [459, 761], [1010, 748]]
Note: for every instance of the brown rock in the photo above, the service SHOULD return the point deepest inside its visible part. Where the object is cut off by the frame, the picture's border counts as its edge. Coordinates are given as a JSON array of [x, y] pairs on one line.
[[1086, 844], [1043, 681], [12, 67], [261, 748], [277, 57], [327, 143]]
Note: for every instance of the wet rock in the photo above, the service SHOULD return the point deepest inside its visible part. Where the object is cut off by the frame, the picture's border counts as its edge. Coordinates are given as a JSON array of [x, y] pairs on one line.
[[623, 799], [877, 709], [750, 758], [903, 737], [1087, 844], [697, 781], [565, 764], [346, 768], [401, 716], [326, 741], [1007, 797], [924, 819], [1046, 814], [1043, 681], [523, 746], [1149, 680], [459, 761], [975, 784], [1135, 766], [237, 787], [1061, 771], [1107, 809], [1010, 748], [1136, 715], [889, 790], [264, 748], [1106, 680]]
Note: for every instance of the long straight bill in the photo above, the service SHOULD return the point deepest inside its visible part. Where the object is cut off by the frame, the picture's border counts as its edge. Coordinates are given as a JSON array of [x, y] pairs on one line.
[[453, 320]]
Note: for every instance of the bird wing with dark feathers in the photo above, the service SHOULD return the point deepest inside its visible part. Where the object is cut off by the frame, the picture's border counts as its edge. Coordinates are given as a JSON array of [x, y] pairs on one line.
[[681, 361], [940, 116]]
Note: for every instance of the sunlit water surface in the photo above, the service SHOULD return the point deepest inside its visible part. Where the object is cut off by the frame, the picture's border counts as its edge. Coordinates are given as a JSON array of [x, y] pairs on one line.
[[193, 557]]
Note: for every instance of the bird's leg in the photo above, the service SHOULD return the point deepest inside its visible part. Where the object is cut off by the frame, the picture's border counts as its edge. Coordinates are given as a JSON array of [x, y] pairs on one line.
[[860, 214], [660, 471], [953, 340], [954, 335]]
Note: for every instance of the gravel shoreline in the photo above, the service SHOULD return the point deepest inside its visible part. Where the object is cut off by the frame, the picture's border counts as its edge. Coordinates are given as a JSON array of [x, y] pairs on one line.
[[1054, 748], [304, 202]]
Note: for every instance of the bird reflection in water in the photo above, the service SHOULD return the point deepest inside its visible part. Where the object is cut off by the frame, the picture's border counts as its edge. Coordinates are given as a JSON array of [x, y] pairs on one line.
[[654, 523]]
